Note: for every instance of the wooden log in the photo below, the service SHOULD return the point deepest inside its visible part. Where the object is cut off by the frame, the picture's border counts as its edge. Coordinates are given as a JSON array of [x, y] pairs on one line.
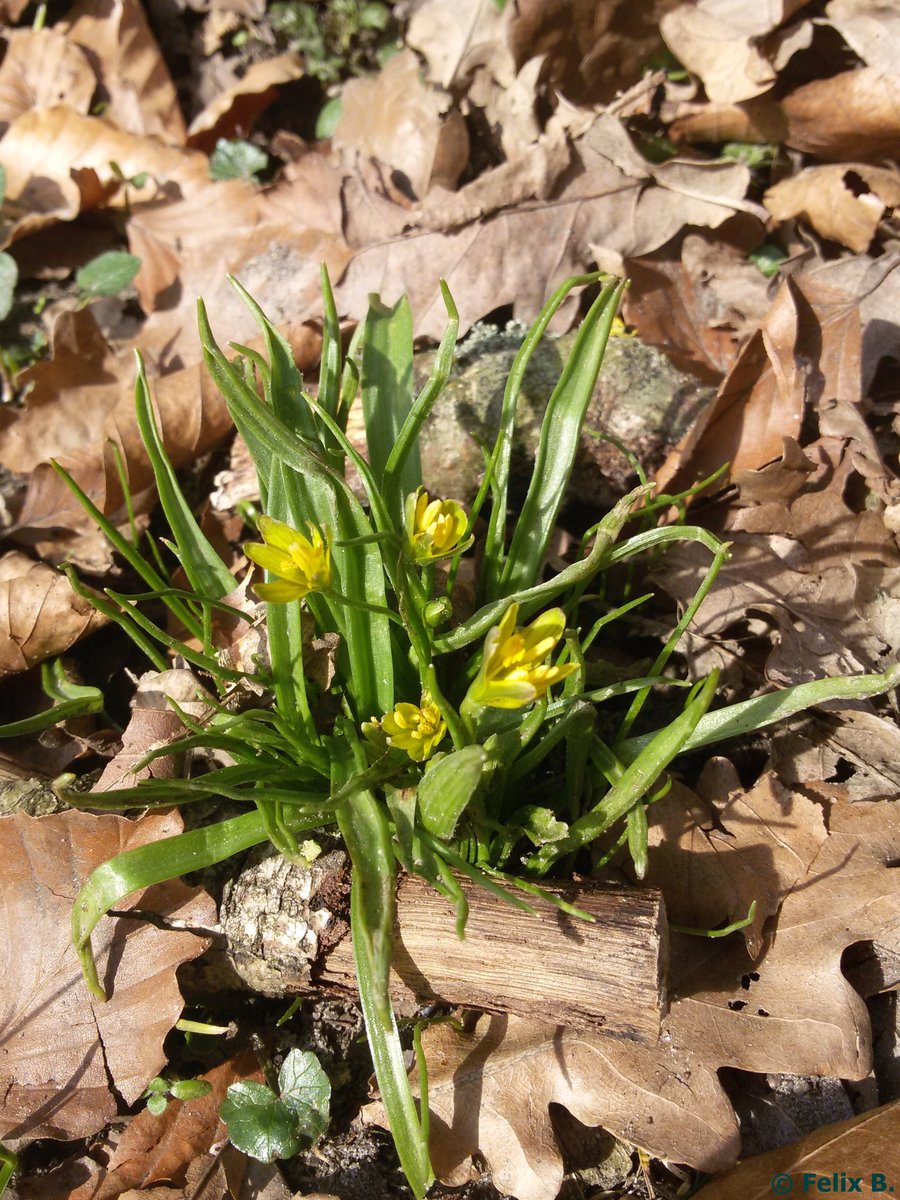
[[287, 934]]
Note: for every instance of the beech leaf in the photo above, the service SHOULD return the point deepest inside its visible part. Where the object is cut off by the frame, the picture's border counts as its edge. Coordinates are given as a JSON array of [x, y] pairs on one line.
[[62, 1051]]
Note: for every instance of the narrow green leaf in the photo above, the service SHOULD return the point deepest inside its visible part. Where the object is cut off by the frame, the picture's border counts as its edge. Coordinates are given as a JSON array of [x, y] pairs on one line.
[[168, 858], [560, 435], [72, 700], [364, 827], [205, 570], [530, 598], [496, 476], [634, 782], [387, 360], [406, 443], [735, 720]]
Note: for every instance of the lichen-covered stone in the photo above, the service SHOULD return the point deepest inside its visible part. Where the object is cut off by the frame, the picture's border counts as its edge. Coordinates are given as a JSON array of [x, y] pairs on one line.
[[641, 399]]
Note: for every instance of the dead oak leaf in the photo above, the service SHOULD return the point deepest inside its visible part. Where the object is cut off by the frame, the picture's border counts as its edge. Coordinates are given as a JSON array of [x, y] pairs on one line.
[[163, 1148], [154, 723], [794, 1011], [853, 116], [759, 403], [58, 163], [489, 1092], [67, 1060], [870, 28], [844, 202], [455, 39], [715, 853], [233, 112], [591, 52], [611, 203], [82, 401], [791, 1011], [40, 614]]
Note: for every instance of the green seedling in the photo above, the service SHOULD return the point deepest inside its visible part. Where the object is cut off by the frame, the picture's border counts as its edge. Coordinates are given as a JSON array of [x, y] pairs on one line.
[[496, 747], [233, 158], [269, 1122], [106, 275], [160, 1091]]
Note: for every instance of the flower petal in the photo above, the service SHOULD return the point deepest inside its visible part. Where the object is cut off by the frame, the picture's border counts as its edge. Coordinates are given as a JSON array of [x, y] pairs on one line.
[[280, 591]]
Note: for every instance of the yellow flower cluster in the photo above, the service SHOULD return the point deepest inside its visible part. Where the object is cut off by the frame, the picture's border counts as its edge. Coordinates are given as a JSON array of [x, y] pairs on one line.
[[303, 564], [513, 667], [434, 528], [415, 728]]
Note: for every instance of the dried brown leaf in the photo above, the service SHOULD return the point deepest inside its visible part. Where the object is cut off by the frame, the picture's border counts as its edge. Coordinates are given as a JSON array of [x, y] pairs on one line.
[[592, 52], [698, 297], [156, 1149], [489, 1092], [852, 116], [871, 28], [153, 724], [273, 240], [791, 1011], [40, 615], [729, 44], [235, 110], [759, 404], [722, 849], [824, 576], [64, 1052], [844, 203], [454, 39], [860, 748], [858, 1148], [58, 162], [794, 1011], [875, 284], [612, 204], [42, 68], [396, 119], [80, 402], [139, 91]]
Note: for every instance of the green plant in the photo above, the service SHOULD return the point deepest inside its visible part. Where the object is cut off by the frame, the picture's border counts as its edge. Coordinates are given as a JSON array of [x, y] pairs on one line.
[[234, 158], [480, 747], [269, 1121], [106, 275], [160, 1091], [337, 38]]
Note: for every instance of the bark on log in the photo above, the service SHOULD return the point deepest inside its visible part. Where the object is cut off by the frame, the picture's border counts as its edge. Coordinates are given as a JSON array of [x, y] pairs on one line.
[[287, 934]]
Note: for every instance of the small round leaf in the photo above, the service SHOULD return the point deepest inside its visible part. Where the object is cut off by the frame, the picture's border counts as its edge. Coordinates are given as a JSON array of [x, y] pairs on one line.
[[306, 1090], [107, 274], [258, 1122]]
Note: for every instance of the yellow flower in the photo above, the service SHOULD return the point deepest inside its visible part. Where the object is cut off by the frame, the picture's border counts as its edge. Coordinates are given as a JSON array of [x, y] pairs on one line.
[[303, 563], [435, 528], [417, 729], [513, 672]]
